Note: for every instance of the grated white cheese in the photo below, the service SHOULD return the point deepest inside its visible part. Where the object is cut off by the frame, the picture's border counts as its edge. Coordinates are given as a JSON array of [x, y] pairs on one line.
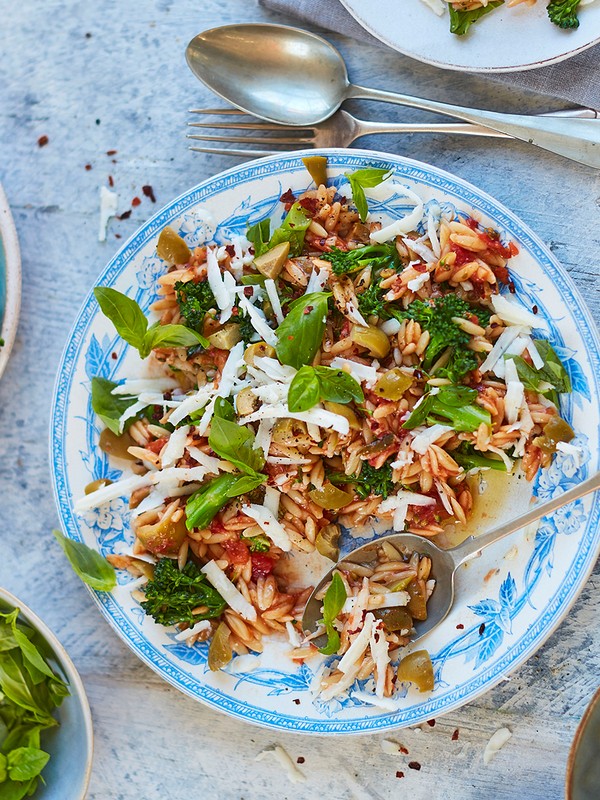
[[155, 499], [443, 496], [282, 756], [222, 287], [385, 703], [437, 6], [515, 391], [380, 654], [432, 226], [135, 386], [353, 314], [264, 436], [390, 600], [212, 464], [175, 447], [340, 687], [109, 202], [318, 279], [536, 358], [572, 450], [358, 646], [274, 299], [199, 627], [145, 399], [399, 503], [232, 596], [390, 747], [269, 524], [404, 225], [421, 249], [318, 416], [420, 443], [499, 452], [274, 370], [495, 744], [418, 283], [513, 313], [363, 373], [503, 342], [293, 635], [390, 327], [404, 458], [287, 461], [272, 498], [191, 404]]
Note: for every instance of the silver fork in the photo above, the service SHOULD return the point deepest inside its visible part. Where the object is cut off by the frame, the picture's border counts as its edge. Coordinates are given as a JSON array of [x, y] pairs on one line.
[[340, 130]]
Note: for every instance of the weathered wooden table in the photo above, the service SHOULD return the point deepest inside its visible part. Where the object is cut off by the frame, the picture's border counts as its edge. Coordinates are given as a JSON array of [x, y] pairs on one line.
[[110, 76]]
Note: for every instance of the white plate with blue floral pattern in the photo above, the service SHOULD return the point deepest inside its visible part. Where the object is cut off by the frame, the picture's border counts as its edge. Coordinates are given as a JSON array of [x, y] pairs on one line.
[[508, 602]]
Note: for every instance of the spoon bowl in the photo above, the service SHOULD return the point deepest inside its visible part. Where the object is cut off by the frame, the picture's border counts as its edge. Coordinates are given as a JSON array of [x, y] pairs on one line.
[[275, 72], [444, 563]]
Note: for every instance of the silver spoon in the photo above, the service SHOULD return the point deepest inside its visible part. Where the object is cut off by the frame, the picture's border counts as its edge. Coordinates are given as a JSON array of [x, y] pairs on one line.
[[444, 563], [290, 76]]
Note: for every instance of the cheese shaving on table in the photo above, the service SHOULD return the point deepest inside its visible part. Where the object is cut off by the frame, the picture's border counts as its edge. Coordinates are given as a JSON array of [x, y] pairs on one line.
[[109, 202], [199, 627], [515, 392], [503, 342], [513, 313], [258, 321], [175, 447], [232, 596], [282, 756], [318, 416], [360, 372], [495, 744], [404, 225], [358, 646], [269, 524], [424, 438], [274, 299]]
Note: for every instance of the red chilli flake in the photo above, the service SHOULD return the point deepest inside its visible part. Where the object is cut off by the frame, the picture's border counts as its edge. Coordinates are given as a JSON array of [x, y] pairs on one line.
[[481, 628], [111, 182], [117, 235], [460, 627], [310, 204], [454, 736], [125, 215], [230, 250], [136, 202], [114, 356], [88, 167], [308, 309], [535, 309], [149, 192], [431, 723], [399, 774], [43, 141], [300, 759], [403, 750], [111, 152], [262, 565], [288, 197], [414, 765]]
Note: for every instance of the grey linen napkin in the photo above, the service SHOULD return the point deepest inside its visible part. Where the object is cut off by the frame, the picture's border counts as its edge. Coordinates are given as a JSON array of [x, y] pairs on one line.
[[576, 80]]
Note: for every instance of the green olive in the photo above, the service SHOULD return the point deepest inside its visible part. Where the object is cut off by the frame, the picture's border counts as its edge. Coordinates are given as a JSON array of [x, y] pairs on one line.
[[344, 411], [330, 497], [395, 619], [418, 669], [272, 262], [417, 605], [163, 538], [378, 446], [227, 337], [95, 485], [374, 339], [555, 431], [258, 350], [292, 433], [393, 384], [246, 402], [172, 248], [115, 445], [327, 541], [220, 652], [317, 168], [402, 585], [145, 568]]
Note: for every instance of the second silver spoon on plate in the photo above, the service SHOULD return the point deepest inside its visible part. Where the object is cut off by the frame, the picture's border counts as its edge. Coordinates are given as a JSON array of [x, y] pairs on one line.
[[444, 563], [293, 77]]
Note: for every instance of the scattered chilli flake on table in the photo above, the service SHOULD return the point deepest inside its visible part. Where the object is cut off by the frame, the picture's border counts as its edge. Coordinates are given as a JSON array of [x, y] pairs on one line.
[[329, 368]]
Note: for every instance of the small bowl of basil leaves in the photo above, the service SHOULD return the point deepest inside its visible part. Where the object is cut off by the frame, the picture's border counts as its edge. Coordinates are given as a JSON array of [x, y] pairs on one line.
[[46, 740]]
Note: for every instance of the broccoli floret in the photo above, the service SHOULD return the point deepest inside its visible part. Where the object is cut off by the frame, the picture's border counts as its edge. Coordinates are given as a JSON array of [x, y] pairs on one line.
[[436, 317], [564, 13], [371, 480], [194, 300], [451, 405], [377, 255], [469, 458], [247, 331], [371, 302], [171, 596]]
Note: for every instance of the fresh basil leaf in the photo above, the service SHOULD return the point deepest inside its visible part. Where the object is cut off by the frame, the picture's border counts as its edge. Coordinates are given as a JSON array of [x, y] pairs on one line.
[[292, 230], [26, 763], [461, 21], [7, 638], [253, 280], [124, 313], [245, 484], [224, 409], [362, 179], [159, 335], [235, 443], [553, 370], [91, 567], [333, 602], [3, 768], [32, 658], [110, 407], [300, 334], [338, 386], [14, 684], [304, 391], [17, 790], [259, 234]]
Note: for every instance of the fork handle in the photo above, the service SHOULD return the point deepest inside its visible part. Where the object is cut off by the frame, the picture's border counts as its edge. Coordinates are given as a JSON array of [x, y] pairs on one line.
[[577, 138]]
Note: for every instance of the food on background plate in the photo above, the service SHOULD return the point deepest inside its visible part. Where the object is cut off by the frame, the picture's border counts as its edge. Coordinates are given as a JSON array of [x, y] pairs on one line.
[[30, 692], [322, 373], [464, 13]]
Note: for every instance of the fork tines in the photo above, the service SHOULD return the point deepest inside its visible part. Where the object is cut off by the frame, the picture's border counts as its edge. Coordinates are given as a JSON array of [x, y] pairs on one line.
[[273, 143]]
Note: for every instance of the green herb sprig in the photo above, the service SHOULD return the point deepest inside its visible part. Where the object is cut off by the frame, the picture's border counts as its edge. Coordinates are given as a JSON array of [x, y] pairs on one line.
[[300, 334], [333, 602], [362, 179], [310, 385]]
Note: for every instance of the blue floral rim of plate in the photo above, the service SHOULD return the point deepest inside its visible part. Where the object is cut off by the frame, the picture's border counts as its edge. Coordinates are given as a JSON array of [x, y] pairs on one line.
[[487, 651]]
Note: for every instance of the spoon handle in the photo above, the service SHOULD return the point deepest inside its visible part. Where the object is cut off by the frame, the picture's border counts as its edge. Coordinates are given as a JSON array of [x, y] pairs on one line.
[[472, 547], [577, 138]]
